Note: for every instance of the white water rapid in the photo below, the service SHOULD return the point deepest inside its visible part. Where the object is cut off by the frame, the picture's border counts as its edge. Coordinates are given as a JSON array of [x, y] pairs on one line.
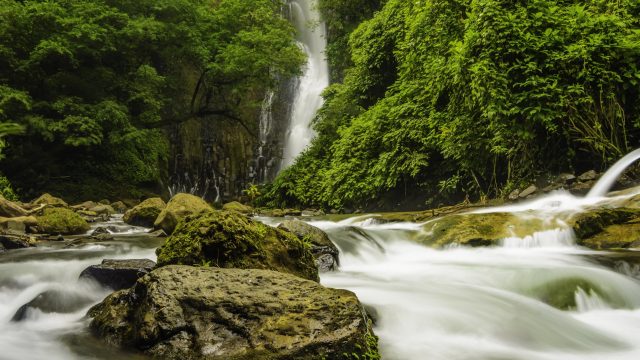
[[307, 100], [537, 297]]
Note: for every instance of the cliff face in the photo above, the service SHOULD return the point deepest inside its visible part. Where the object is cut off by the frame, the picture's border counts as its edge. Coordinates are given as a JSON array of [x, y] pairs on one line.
[[217, 157]]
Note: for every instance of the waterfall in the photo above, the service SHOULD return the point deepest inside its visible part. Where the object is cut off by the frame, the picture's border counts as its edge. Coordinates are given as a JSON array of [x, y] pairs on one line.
[[307, 100], [602, 187]]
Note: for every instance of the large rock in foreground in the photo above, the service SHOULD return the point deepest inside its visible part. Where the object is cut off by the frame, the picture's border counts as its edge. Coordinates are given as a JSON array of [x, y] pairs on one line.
[[182, 312], [179, 207], [118, 274], [230, 240], [58, 220], [145, 213], [324, 251]]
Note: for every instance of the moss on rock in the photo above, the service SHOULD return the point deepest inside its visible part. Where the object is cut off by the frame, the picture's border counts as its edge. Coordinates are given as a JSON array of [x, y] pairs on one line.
[[230, 240], [48, 199], [184, 312], [145, 213], [62, 221], [179, 207], [238, 207]]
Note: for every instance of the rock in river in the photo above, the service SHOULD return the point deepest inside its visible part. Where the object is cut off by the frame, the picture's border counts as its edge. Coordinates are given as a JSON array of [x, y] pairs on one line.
[[184, 312], [145, 213], [118, 274], [179, 207], [324, 251], [231, 240]]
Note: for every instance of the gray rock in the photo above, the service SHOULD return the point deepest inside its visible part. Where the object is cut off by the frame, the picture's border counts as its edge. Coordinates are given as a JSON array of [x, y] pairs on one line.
[[100, 230], [118, 274], [588, 176], [324, 251], [15, 241], [528, 191], [54, 301], [514, 194], [184, 312], [566, 178]]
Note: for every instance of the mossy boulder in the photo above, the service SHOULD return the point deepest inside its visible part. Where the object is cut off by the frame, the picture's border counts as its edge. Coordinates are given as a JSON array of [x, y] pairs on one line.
[[61, 221], [145, 213], [238, 207], [119, 206], [48, 199], [179, 207], [478, 229], [230, 240], [323, 249], [607, 228], [184, 312]]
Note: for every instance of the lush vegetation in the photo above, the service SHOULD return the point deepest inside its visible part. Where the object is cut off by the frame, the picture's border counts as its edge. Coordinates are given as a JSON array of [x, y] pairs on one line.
[[451, 98], [94, 82]]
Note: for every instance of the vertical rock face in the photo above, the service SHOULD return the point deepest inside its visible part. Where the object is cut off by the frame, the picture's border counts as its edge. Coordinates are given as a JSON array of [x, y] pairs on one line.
[[217, 157], [183, 312]]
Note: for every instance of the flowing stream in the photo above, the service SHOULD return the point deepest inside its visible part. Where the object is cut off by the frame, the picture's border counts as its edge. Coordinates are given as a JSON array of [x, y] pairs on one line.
[[536, 297], [307, 100]]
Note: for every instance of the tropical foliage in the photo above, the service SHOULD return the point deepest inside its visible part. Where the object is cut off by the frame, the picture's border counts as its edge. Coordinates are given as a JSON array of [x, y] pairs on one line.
[[93, 82], [461, 97]]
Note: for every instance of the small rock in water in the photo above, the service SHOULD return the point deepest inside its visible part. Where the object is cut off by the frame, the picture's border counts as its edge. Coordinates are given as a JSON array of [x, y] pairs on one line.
[[514, 194], [588, 176], [118, 274], [567, 178], [326, 254], [14, 241], [54, 301], [528, 191], [100, 230]]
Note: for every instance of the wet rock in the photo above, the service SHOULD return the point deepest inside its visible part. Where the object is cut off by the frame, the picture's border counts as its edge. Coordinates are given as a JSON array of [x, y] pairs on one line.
[[478, 229], [85, 205], [118, 274], [238, 207], [16, 241], [312, 212], [326, 254], [145, 213], [10, 208], [607, 228], [57, 220], [48, 199], [54, 301], [18, 224], [119, 207], [514, 195], [588, 176], [183, 312], [566, 179], [178, 208], [104, 202], [103, 210], [230, 240], [528, 191], [100, 230]]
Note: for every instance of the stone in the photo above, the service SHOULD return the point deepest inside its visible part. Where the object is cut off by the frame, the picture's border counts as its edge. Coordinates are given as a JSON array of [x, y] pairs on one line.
[[312, 212], [19, 224], [16, 241], [528, 191], [145, 213], [588, 176], [607, 228], [100, 230], [178, 208], [85, 205], [158, 233], [324, 251], [118, 274], [57, 220], [11, 209], [104, 202], [566, 178], [103, 209], [514, 194], [227, 239], [184, 312], [48, 199], [54, 301], [119, 207], [238, 207]]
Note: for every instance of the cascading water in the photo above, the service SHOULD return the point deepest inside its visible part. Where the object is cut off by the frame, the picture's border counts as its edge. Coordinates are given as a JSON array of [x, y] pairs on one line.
[[606, 182], [536, 297], [308, 99]]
